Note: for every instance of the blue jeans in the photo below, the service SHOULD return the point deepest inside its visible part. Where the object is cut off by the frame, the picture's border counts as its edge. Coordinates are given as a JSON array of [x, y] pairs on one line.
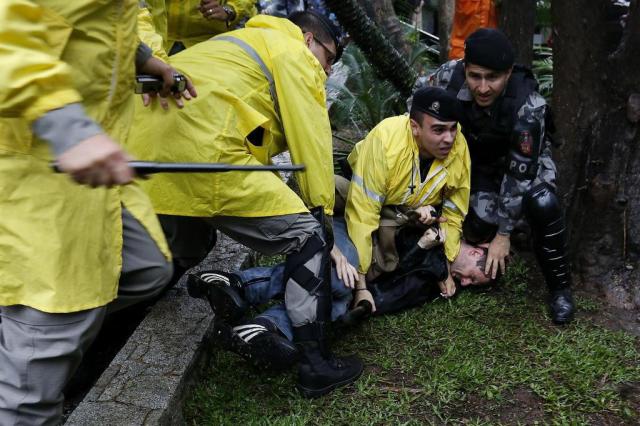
[[262, 284]]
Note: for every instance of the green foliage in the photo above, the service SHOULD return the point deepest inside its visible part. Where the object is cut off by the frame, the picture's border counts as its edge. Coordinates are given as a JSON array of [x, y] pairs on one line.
[[543, 70], [516, 276], [264, 260], [387, 60], [543, 13], [485, 357], [364, 99]]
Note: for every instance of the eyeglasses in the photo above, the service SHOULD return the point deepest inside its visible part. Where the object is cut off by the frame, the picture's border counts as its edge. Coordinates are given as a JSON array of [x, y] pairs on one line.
[[332, 56]]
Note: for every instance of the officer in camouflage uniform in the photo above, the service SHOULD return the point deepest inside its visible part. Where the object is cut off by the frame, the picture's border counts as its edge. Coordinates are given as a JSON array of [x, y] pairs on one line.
[[512, 172]]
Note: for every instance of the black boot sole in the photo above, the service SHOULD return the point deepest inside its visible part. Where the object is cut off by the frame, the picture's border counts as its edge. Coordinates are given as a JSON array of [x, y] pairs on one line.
[[225, 302], [272, 353], [318, 392]]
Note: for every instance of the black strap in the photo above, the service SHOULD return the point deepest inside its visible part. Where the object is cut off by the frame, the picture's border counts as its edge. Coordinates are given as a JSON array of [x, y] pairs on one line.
[[295, 269]]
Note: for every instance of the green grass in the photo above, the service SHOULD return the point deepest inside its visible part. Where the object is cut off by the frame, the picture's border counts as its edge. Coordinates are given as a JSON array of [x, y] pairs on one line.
[[489, 357]]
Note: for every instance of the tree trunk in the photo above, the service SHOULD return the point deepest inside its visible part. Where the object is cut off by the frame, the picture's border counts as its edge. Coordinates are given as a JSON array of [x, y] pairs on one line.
[[381, 54], [597, 109], [384, 15], [446, 9], [517, 18]]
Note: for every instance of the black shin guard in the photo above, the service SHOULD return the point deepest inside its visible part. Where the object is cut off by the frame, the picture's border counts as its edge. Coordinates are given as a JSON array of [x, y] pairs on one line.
[[549, 240], [549, 236]]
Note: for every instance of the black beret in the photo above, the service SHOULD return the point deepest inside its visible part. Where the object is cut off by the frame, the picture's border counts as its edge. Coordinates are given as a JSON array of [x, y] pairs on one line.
[[489, 48], [437, 103]]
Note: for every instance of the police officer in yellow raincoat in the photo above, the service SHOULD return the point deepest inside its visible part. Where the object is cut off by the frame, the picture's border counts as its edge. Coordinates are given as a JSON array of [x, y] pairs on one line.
[[261, 92], [165, 22], [68, 253], [419, 161]]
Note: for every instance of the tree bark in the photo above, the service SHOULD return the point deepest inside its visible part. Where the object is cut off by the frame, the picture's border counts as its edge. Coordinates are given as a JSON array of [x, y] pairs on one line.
[[517, 18], [389, 63], [384, 15], [446, 9], [597, 109]]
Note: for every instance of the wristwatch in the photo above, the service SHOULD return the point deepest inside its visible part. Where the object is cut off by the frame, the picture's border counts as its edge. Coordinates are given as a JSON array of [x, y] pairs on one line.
[[231, 13]]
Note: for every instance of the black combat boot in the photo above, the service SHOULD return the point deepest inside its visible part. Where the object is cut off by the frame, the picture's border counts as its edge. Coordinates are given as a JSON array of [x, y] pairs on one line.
[[547, 224], [223, 291], [319, 371], [260, 343], [562, 306]]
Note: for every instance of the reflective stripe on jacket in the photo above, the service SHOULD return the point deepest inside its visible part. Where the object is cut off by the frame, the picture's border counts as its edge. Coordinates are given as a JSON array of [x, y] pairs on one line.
[[234, 102], [61, 243], [386, 165]]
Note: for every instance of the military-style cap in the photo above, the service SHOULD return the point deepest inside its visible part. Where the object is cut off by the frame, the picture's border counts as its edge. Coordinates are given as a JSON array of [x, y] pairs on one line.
[[437, 103], [489, 48]]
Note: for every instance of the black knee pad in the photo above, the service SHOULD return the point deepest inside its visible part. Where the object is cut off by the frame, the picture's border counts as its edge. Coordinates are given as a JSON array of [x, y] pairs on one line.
[[477, 231], [542, 208], [545, 215]]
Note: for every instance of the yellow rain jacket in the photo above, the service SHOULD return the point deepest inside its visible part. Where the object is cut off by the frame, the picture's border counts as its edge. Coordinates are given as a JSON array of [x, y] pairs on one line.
[[234, 101], [385, 166], [181, 20], [61, 243]]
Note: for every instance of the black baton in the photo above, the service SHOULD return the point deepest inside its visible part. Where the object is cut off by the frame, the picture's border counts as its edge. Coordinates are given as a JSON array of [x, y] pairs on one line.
[[151, 167]]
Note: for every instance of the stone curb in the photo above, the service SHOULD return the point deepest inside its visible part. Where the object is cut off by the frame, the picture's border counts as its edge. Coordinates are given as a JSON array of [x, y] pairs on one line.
[[147, 381]]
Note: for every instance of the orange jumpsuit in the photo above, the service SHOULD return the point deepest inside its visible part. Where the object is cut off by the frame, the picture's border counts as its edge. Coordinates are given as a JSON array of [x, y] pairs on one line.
[[469, 16]]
